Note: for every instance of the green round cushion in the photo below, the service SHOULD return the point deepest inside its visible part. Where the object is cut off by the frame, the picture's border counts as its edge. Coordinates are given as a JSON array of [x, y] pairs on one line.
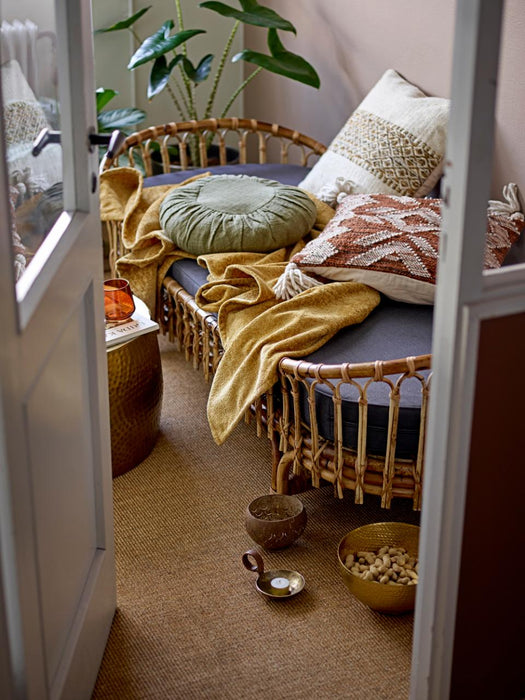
[[228, 213]]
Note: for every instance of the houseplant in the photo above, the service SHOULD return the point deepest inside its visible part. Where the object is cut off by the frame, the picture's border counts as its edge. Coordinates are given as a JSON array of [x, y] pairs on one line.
[[166, 51], [110, 119]]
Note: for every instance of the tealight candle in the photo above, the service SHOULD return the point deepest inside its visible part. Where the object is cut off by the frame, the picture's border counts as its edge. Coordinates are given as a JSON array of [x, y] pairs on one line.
[[280, 584]]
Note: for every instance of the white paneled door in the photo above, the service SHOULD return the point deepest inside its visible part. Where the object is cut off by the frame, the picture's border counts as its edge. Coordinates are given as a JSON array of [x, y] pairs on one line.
[[57, 574]]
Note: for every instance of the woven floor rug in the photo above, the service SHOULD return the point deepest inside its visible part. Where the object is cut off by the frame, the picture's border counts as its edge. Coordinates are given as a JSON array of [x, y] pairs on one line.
[[190, 623]]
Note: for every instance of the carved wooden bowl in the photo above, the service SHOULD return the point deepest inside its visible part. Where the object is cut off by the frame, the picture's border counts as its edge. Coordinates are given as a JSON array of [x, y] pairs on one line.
[[275, 521]]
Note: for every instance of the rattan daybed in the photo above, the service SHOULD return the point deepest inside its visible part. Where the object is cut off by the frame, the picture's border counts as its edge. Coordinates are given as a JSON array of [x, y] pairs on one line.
[[359, 424]]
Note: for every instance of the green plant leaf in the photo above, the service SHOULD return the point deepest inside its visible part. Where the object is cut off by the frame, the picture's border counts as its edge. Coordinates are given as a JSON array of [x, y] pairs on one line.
[[173, 151], [252, 13], [160, 43], [119, 118], [281, 61], [103, 96], [199, 74], [126, 23], [160, 74]]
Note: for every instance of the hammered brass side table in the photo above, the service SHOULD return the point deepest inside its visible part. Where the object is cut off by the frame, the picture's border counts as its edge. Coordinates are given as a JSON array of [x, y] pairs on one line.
[[135, 399]]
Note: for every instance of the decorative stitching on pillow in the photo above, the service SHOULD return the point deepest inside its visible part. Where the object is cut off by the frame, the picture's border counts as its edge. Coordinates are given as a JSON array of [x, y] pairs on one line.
[[391, 153], [381, 231], [393, 143], [23, 121], [391, 243]]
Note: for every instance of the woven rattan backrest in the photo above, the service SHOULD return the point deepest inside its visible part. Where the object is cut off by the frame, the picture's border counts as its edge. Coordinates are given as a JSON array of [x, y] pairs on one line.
[[141, 146]]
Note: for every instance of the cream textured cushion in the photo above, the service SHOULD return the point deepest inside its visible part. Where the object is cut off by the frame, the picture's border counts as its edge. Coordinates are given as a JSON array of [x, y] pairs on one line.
[[391, 243], [394, 143], [228, 213]]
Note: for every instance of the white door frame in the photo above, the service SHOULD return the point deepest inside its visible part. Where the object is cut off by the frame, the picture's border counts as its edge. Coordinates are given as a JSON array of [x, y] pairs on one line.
[[24, 670], [465, 296]]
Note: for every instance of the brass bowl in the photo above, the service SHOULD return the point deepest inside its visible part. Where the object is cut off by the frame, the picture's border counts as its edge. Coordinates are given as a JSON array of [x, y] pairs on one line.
[[390, 599], [275, 521]]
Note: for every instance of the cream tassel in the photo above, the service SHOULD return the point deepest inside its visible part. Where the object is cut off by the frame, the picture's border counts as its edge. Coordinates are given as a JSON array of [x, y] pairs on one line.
[[334, 193], [293, 281], [511, 207]]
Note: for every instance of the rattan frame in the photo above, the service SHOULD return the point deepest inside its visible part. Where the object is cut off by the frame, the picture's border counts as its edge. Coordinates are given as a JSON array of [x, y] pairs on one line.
[[300, 456]]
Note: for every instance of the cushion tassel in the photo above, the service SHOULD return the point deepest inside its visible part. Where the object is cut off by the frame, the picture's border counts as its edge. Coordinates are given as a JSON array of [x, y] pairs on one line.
[[511, 206], [334, 193], [293, 281]]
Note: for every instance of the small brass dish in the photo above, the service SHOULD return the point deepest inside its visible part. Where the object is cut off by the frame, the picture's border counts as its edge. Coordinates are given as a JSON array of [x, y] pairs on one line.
[[280, 583], [276, 520], [384, 598]]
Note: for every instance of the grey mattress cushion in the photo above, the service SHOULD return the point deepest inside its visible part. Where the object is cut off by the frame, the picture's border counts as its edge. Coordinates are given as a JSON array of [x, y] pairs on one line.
[[393, 330], [189, 274], [285, 174]]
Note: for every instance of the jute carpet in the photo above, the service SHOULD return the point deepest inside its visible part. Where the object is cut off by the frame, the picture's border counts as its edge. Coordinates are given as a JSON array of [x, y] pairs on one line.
[[190, 623]]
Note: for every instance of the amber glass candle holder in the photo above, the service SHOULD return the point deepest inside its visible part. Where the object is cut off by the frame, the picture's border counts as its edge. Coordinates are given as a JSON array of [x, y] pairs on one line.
[[118, 300]]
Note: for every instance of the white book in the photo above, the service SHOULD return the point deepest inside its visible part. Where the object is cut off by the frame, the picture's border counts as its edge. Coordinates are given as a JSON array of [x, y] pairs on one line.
[[121, 333]]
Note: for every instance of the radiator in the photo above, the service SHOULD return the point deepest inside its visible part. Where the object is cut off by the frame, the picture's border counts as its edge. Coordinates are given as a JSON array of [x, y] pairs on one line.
[[19, 43], [22, 41]]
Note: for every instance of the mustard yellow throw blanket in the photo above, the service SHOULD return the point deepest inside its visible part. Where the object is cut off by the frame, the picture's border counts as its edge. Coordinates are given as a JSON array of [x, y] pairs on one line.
[[256, 329], [123, 198]]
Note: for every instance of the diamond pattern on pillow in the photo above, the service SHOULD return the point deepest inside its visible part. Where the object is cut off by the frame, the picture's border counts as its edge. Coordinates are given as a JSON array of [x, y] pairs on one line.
[[23, 121], [393, 143], [393, 155]]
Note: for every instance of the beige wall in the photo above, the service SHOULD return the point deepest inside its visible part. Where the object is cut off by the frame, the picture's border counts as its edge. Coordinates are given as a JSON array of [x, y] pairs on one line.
[[351, 43], [509, 156]]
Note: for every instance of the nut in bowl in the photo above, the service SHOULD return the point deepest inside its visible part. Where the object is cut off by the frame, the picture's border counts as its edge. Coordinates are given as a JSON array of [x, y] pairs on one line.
[[379, 565], [275, 521]]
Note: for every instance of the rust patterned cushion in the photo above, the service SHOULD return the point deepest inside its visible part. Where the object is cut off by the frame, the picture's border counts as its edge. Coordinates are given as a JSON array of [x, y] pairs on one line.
[[391, 243]]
